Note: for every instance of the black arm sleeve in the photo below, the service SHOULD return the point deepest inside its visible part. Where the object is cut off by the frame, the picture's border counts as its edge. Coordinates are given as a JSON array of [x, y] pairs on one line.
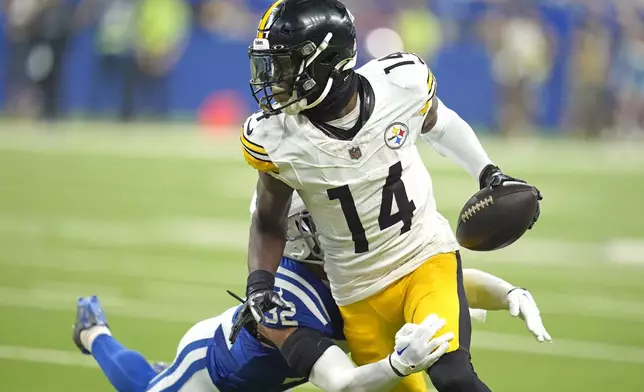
[[303, 348]]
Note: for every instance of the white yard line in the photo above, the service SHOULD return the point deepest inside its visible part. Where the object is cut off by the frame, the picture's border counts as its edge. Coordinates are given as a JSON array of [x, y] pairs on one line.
[[189, 302], [178, 145], [186, 144], [46, 356], [65, 300], [233, 235], [128, 264], [590, 305], [553, 252], [626, 251], [490, 341], [188, 232], [559, 348]]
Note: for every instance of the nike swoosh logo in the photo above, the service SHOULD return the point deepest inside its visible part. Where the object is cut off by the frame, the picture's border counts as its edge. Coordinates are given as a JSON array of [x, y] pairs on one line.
[[402, 351], [249, 130]]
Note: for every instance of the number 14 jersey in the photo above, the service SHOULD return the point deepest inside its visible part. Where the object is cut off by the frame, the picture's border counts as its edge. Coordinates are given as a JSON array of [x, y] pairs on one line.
[[371, 197]]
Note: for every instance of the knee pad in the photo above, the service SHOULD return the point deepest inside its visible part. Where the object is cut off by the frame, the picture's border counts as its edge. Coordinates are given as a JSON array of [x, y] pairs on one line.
[[454, 373]]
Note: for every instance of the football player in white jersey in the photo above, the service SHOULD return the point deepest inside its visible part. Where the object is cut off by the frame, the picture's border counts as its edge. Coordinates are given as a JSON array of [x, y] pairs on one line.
[[484, 291], [207, 362], [345, 140]]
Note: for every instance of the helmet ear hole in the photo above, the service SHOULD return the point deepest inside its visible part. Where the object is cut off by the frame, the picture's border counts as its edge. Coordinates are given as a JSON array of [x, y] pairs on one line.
[[329, 59], [286, 30]]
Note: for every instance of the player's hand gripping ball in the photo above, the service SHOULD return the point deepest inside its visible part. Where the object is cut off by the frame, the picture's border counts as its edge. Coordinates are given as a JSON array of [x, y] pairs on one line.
[[499, 214]]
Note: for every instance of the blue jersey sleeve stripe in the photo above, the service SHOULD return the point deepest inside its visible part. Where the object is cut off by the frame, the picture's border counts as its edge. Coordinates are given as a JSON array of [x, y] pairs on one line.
[[297, 278], [302, 296], [309, 291]]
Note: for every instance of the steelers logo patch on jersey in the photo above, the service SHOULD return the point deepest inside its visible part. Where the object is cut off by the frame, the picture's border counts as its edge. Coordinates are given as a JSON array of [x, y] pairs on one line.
[[395, 135]]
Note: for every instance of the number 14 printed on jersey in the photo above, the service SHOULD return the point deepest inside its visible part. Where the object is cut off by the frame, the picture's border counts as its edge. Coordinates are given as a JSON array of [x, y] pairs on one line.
[[393, 188]]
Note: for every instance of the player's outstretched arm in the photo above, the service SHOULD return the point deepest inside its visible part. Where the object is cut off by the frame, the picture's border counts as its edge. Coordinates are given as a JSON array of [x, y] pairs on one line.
[[486, 291], [265, 248], [315, 356], [451, 136]]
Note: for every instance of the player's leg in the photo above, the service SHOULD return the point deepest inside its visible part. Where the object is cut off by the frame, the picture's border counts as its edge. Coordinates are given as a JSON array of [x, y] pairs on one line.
[[437, 287], [370, 326], [127, 370], [189, 371]]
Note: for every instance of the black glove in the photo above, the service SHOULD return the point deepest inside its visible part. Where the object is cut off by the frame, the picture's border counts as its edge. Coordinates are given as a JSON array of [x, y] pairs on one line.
[[492, 177], [260, 298]]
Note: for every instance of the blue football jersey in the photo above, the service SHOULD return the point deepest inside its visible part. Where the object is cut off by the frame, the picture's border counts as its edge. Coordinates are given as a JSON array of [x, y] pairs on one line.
[[247, 365]]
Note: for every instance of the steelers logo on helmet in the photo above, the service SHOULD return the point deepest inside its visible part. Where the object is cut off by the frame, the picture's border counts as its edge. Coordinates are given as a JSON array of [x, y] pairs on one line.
[[396, 135]]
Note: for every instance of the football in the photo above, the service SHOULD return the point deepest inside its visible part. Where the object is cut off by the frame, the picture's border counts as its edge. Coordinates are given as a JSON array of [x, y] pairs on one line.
[[496, 217]]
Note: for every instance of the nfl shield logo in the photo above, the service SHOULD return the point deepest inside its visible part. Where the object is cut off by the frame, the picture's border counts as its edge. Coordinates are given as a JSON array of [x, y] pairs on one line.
[[355, 153]]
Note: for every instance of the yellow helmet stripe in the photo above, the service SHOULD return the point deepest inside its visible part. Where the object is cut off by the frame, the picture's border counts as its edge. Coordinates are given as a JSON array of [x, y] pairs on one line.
[[264, 21]]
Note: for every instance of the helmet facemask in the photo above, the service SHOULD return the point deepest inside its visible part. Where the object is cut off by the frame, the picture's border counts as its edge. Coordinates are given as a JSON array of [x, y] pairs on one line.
[[306, 232]]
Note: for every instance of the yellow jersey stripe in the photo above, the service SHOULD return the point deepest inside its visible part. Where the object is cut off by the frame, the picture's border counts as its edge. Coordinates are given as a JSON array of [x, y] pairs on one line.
[[261, 165], [428, 105], [432, 89], [261, 157], [264, 20], [430, 81], [252, 146]]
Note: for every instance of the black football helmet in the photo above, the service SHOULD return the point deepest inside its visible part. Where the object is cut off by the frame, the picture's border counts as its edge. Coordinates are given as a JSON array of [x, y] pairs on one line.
[[302, 46]]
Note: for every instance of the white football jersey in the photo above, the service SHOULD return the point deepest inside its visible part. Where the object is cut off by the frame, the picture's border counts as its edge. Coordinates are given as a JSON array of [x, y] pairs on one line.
[[371, 197]]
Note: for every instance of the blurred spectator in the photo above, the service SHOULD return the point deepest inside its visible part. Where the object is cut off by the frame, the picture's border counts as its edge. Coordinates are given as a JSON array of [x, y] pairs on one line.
[[229, 18], [20, 16], [138, 43], [521, 50], [419, 28], [116, 68], [161, 28], [591, 100], [38, 32], [156, 56], [629, 75]]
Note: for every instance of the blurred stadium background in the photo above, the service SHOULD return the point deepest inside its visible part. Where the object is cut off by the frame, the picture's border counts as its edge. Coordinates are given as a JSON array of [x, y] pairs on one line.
[[121, 175]]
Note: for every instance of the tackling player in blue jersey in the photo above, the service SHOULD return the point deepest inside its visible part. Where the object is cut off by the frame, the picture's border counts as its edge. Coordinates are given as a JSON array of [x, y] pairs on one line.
[[292, 346]]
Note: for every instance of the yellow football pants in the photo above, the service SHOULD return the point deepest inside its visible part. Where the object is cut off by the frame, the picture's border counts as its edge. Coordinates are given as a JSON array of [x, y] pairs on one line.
[[435, 287]]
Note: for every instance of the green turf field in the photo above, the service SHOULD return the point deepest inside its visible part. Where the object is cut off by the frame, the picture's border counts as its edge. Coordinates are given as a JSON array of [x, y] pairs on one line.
[[156, 223]]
